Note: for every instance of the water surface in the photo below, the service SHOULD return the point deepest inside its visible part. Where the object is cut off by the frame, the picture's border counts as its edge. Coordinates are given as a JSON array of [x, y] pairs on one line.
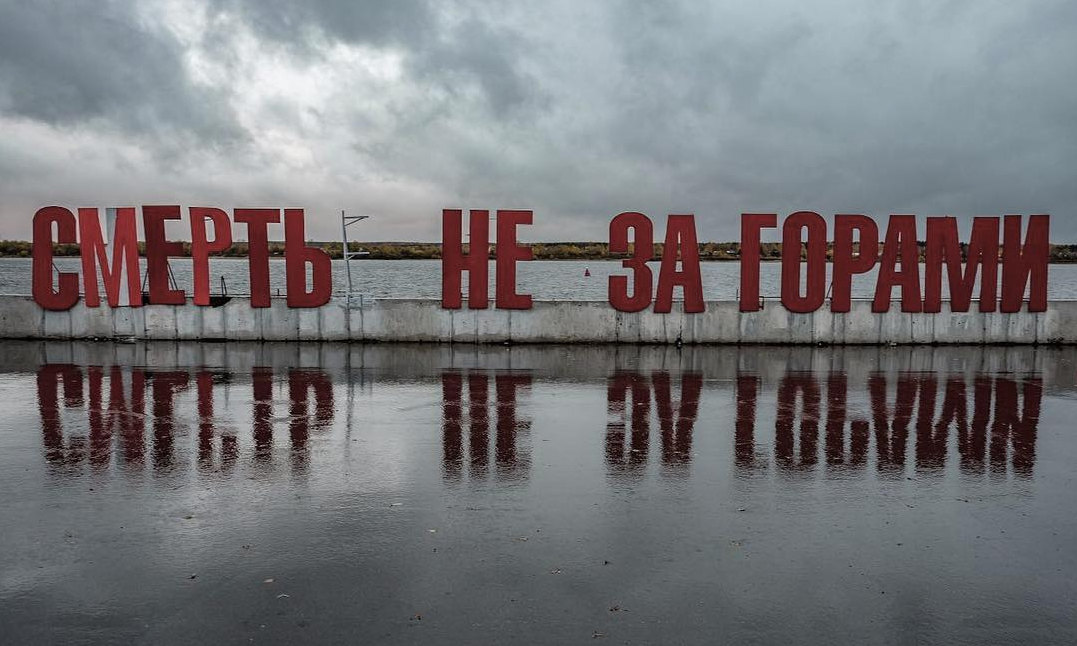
[[543, 279], [212, 493]]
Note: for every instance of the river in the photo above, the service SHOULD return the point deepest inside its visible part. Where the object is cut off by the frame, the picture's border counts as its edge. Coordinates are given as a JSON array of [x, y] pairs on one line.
[[544, 280]]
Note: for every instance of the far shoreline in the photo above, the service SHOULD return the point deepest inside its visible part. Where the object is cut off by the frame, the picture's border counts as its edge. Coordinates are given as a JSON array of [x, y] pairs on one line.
[[591, 251]]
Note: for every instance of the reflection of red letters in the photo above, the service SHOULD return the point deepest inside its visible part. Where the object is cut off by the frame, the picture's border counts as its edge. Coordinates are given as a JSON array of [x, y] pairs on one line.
[[627, 459], [676, 423], [512, 464], [204, 388], [129, 415], [784, 440], [300, 382], [165, 386], [262, 413], [1004, 433], [478, 417], [512, 461], [125, 416], [1017, 424], [747, 390], [837, 391], [49, 377]]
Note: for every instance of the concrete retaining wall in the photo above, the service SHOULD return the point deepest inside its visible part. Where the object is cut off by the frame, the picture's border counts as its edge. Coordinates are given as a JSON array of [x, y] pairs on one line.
[[547, 322]]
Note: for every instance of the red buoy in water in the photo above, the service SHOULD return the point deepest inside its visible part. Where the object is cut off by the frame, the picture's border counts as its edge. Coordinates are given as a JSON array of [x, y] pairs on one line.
[[586, 271]]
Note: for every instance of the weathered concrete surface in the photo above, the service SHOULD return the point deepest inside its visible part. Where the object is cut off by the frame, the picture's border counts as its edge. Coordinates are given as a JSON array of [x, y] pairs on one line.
[[548, 322]]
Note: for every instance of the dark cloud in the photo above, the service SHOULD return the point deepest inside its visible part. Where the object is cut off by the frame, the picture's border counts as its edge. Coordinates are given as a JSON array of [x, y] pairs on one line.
[[308, 24], [474, 51], [72, 62], [444, 48], [578, 111]]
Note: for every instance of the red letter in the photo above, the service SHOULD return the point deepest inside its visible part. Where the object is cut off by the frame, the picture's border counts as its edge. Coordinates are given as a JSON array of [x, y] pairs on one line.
[[1019, 262], [454, 261], [158, 249], [124, 247], [296, 257], [750, 224], [680, 236], [816, 283], [258, 221], [943, 247], [641, 273], [201, 248], [508, 253], [900, 244], [68, 293], [845, 265]]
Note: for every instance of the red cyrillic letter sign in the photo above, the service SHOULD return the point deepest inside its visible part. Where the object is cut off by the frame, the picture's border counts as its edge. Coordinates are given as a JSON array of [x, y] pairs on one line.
[[67, 295], [750, 224], [454, 261], [158, 249], [900, 245], [258, 221], [201, 247], [943, 247], [641, 274], [296, 257], [508, 253], [124, 257], [1022, 262], [816, 282], [680, 237], [845, 264]]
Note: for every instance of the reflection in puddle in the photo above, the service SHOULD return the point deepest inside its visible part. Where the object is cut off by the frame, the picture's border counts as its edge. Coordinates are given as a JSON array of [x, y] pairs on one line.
[[994, 420], [119, 418], [770, 495], [628, 432], [822, 422], [511, 461]]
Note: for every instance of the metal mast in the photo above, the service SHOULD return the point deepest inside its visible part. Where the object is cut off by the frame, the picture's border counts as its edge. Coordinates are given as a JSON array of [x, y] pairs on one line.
[[345, 222]]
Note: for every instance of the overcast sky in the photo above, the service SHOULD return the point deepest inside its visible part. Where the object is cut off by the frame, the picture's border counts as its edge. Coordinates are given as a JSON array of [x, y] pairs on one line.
[[576, 110]]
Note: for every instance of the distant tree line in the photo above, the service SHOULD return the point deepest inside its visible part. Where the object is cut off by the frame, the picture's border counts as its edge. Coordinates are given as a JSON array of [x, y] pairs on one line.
[[717, 251]]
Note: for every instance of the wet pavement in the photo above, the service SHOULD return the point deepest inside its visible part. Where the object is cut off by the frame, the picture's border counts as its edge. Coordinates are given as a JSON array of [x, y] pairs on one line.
[[273, 493]]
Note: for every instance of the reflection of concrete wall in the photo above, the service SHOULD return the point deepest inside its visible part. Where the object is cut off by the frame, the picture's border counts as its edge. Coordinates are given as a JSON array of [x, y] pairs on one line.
[[547, 322], [719, 365]]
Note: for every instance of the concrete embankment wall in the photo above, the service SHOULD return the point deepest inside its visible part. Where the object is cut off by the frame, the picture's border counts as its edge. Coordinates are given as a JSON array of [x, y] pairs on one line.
[[393, 320]]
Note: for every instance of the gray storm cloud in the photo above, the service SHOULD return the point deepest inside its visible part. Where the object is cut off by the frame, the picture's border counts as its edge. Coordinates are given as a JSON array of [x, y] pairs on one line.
[[399, 109]]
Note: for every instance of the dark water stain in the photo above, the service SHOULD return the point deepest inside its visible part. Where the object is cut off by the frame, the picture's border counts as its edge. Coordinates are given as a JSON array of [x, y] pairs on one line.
[[178, 493]]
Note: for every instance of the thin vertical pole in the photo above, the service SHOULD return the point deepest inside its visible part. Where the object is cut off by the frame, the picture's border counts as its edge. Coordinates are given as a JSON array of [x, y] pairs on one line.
[[345, 255]]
